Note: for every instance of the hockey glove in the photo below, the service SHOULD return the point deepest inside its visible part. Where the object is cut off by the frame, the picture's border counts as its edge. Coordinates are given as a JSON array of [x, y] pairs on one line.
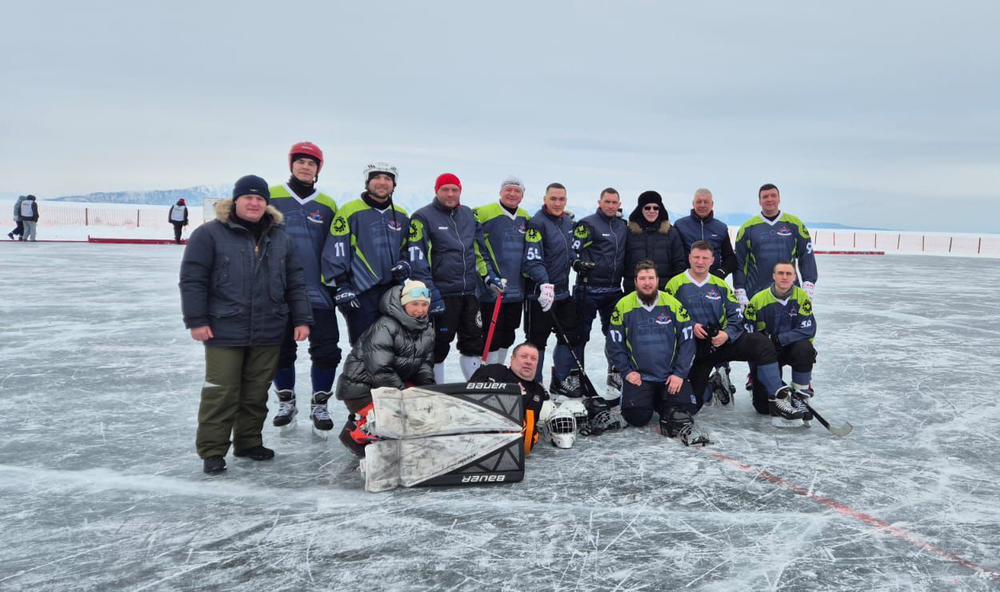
[[437, 304], [497, 284], [400, 271], [583, 268], [810, 288], [347, 300], [741, 297], [546, 296]]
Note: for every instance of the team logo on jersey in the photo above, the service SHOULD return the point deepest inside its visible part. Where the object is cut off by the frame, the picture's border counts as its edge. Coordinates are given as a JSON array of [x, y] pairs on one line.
[[339, 226], [533, 236], [784, 231], [581, 232], [522, 229], [663, 319], [394, 225], [806, 308], [713, 295], [315, 216], [616, 317]]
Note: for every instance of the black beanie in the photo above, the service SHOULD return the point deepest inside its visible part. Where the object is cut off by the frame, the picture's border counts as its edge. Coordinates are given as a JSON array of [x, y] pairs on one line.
[[649, 197], [252, 185]]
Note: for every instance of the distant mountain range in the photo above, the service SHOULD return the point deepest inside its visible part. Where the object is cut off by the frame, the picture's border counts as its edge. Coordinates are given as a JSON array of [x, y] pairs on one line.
[[195, 196]]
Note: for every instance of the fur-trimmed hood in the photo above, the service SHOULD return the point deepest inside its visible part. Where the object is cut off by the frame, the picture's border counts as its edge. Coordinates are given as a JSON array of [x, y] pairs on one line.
[[664, 227], [225, 207]]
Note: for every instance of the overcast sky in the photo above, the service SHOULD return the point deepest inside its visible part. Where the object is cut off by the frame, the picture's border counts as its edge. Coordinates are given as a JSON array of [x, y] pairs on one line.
[[879, 114]]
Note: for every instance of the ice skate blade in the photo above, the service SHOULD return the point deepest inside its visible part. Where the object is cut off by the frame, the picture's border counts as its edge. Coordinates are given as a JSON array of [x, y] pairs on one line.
[[321, 434], [288, 428], [781, 422]]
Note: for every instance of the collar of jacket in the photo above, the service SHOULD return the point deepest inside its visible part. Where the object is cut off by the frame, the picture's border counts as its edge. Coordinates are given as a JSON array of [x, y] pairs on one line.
[[225, 207], [372, 203], [708, 218], [607, 219], [437, 204], [661, 228], [545, 211]]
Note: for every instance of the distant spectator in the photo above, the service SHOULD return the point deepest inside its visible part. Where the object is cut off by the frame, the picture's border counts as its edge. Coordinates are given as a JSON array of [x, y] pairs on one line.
[[19, 228], [29, 217], [179, 218]]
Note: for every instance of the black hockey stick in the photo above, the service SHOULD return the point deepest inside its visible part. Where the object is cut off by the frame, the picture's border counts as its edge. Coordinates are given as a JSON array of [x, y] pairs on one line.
[[837, 430], [583, 373]]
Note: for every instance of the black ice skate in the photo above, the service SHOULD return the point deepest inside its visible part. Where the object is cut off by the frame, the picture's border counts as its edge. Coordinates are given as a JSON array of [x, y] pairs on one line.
[[784, 413], [680, 424], [285, 417], [322, 424]]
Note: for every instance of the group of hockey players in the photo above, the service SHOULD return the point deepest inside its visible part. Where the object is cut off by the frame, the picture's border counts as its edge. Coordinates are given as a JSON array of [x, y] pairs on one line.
[[277, 262]]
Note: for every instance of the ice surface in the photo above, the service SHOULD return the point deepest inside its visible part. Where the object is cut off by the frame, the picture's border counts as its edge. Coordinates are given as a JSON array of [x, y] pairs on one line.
[[100, 488]]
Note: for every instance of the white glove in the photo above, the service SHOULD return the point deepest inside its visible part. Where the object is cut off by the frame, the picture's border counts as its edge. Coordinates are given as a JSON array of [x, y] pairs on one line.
[[741, 297], [546, 296], [809, 287]]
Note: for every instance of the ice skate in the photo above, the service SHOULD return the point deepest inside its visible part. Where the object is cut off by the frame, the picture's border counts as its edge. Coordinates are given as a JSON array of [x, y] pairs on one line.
[[784, 413], [571, 387], [285, 417], [322, 424], [799, 399], [603, 416], [680, 424], [722, 388]]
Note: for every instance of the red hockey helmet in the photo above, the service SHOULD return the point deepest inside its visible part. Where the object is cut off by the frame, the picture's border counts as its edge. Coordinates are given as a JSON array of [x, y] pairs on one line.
[[306, 149]]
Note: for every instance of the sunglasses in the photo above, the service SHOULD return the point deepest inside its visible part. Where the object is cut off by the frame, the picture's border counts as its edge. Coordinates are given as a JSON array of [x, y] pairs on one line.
[[651, 208]]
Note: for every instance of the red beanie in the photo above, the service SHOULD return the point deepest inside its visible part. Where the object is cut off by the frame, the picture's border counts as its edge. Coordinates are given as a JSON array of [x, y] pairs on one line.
[[446, 179]]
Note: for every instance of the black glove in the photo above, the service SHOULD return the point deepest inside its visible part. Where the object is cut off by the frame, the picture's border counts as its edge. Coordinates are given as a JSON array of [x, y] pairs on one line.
[[583, 268], [346, 300], [400, 271]]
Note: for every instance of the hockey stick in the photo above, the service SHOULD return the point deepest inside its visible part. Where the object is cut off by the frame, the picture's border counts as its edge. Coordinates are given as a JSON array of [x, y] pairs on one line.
[[837, 430], [493, 327], [583, 373]]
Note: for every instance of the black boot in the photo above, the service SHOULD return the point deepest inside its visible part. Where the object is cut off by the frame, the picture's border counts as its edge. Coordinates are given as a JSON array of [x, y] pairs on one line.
[[214, 465], [255, 453]]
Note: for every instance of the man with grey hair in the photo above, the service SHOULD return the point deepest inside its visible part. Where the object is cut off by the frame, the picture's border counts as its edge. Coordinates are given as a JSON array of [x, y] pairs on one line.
[[500, 257], [702, 225]]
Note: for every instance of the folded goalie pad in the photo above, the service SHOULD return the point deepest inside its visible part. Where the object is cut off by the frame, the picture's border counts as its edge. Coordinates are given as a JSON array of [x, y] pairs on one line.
[[436, 410], [458, 459]]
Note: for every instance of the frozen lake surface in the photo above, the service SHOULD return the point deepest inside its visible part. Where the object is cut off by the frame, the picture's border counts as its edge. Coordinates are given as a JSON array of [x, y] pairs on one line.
[[100, 487]]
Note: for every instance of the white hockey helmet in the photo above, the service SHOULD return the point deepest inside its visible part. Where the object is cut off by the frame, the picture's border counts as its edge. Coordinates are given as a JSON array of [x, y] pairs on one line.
[[561, 427], [577, 408], [381, 167]]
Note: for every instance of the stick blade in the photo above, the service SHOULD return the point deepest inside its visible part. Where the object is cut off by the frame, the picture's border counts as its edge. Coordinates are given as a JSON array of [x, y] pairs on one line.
[[841, 429]]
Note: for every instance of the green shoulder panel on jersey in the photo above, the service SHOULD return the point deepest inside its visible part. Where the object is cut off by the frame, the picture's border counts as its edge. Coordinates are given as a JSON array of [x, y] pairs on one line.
[[280, 192], [327, 201], [494, 210], [803, 231], [805, 302], [631, 302], [676, 282], [675, 305], [758, 219]]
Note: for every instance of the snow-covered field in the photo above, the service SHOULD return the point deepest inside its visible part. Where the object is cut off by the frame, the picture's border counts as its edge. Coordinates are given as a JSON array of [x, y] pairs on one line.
[[100, 488]]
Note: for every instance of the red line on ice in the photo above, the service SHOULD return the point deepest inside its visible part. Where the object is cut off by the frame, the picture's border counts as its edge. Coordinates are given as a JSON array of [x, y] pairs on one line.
[[846, 510]]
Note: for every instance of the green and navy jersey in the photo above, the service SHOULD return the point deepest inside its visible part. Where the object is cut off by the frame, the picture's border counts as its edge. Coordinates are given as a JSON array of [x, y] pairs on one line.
[[710, 303], [656, 340], [365, 243], [550, 255], [307, 222], [501, 250], [761, 243], [791, 318], [441, 246]]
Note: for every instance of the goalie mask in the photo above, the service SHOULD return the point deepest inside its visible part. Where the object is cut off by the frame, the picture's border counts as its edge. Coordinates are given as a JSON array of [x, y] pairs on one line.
[[561, 426]]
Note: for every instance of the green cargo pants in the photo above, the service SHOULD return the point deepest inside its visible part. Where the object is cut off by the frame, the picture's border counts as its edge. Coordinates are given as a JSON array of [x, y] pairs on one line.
[[234, 398]]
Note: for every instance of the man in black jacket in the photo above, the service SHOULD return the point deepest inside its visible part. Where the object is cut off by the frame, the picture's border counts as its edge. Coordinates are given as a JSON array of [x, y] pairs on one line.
[[652, 238], [523, 365], [240, 282]]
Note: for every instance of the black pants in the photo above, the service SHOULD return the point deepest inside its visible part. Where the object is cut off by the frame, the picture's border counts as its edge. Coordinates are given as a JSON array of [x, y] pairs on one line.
[[538, 324], [324, 350], [178, 228], [755, 348], [639, 402], [18, 229], [801, 356], [359, 319], [508, 321], [462, 317]]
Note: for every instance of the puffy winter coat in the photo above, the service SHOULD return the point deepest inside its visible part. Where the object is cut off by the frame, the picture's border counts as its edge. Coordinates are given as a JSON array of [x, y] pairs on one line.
[[659, 242], [17, 208], [396, 350], [29, 210], [244, 290]]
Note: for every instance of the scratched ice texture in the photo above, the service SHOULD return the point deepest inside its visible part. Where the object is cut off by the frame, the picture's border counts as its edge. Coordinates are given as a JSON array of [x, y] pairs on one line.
[[100, 488]]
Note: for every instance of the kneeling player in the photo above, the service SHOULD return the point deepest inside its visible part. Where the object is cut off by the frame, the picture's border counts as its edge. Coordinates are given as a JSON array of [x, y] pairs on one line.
[[719, 326], [650, 339], [783, 312]]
